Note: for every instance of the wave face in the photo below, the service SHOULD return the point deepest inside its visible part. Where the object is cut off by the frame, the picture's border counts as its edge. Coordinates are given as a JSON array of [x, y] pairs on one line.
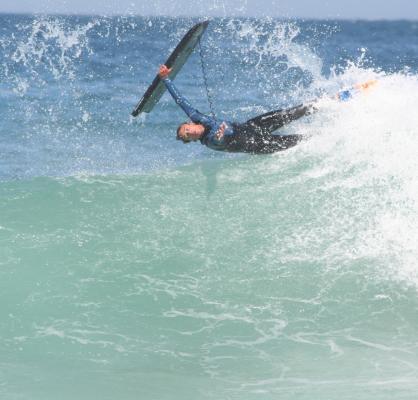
[[133, 266]]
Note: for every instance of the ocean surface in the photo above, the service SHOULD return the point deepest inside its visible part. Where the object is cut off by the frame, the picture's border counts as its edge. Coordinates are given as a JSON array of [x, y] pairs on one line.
[[133, 266]]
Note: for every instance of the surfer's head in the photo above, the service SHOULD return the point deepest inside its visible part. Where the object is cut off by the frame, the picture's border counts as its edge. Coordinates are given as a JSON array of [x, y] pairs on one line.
[[190, 132]]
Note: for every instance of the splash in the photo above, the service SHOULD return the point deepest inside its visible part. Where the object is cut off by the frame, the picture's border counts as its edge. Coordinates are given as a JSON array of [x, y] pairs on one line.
[[270, 56], [365, 151], [278, 40], [45, 49]]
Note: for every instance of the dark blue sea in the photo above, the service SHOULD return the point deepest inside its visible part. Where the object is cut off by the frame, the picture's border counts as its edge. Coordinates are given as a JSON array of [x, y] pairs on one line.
[[133, 266]]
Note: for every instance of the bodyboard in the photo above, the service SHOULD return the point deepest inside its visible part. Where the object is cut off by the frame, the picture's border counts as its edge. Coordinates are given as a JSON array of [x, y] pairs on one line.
[[176, 60]]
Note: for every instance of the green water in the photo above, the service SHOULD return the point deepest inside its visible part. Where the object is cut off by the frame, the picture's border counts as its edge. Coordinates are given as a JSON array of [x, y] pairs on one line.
[[241, 279]]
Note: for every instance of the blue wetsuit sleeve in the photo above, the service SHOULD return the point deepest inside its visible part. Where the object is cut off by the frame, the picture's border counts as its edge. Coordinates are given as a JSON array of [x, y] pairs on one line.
[[195, 115]]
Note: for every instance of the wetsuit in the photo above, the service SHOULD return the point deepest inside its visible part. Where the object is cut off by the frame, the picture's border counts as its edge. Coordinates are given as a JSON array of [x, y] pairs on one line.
[[253, 136]]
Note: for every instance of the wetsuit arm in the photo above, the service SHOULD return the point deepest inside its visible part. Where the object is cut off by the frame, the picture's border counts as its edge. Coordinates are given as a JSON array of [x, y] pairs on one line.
[[195, 115]]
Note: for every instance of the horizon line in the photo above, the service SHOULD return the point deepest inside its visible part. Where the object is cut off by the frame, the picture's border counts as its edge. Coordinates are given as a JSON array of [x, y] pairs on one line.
[[131, 14]]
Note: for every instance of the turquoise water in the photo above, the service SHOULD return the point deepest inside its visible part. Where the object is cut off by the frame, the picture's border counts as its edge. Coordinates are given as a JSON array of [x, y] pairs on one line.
[[135, 267]]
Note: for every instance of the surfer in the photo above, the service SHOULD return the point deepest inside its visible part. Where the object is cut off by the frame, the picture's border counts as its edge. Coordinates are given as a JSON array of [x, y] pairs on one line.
[[254, 136]]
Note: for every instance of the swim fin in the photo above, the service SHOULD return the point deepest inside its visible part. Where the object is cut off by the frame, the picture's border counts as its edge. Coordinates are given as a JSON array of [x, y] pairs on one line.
[[347, 94]]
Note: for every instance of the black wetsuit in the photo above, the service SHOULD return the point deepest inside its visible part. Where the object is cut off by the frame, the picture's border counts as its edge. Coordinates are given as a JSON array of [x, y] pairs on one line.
[[254, 136]]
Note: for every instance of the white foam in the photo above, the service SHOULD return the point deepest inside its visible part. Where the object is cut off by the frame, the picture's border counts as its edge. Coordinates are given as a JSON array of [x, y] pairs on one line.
[[371, 144]]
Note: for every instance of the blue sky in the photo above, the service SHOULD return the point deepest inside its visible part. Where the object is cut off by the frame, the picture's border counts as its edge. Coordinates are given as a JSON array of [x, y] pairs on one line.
[[352, 9]]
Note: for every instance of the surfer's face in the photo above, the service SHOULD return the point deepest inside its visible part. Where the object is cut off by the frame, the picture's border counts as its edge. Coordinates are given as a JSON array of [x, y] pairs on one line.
[[190, 132]]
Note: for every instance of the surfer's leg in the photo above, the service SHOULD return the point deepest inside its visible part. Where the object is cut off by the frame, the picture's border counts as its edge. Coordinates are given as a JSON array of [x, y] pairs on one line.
[[269, 122], [270, 143], [247, 139], [274, 143], [244, 139]]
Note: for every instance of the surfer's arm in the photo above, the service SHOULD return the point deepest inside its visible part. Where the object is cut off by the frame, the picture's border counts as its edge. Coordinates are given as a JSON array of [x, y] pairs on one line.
[[217, 137], [179, 99], [195, 115]]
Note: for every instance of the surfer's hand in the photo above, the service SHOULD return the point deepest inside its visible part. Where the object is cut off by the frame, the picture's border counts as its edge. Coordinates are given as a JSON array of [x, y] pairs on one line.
[[220, 132], [163, 72]]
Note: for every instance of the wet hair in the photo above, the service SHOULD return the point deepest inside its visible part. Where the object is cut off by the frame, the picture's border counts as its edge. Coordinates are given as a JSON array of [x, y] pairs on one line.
[[178, 137]]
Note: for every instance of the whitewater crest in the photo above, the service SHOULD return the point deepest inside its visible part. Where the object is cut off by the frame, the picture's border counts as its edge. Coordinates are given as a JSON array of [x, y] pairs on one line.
[[367, 147]]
